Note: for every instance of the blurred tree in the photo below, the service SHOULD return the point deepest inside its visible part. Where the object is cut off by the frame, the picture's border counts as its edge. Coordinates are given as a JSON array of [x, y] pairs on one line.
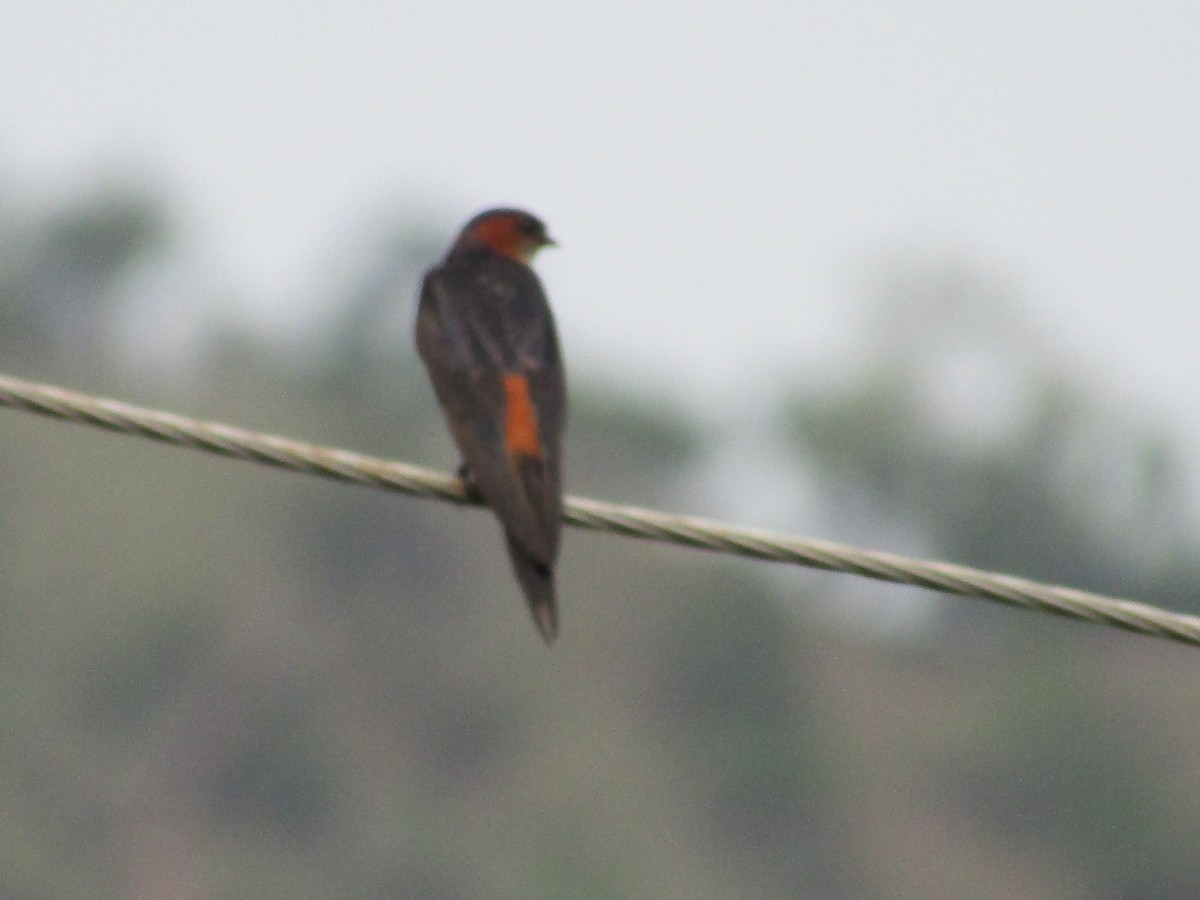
[[961, 426], [373, 323], [60, 278]]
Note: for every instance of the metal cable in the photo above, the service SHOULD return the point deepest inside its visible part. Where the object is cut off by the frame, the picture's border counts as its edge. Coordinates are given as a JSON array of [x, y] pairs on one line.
[[343, 465]]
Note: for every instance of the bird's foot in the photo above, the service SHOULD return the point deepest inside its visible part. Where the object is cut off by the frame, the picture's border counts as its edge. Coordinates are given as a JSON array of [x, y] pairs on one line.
[[470, 487]]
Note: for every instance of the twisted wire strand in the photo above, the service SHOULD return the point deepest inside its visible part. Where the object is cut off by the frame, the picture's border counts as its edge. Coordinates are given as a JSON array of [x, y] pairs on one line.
[[704, 534]]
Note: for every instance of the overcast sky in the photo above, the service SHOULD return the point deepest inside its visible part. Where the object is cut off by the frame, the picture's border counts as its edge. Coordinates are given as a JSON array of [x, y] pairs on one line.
[[716, 173]]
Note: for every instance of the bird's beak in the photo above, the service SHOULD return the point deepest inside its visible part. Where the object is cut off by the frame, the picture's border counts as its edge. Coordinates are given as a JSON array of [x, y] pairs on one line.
[[549, 242]]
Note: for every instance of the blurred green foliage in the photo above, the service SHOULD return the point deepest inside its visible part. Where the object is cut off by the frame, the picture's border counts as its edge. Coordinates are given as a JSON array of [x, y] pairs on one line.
[[221, 681]]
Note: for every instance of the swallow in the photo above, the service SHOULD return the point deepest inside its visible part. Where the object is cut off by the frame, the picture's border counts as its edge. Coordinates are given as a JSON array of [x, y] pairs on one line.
[[486, 335]]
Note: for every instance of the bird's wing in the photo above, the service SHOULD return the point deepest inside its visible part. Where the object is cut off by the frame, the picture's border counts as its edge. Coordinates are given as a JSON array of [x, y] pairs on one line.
[[492, 354]]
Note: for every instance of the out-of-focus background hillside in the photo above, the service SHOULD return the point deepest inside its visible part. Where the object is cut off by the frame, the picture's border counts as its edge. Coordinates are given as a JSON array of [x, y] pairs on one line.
[[218, 680]]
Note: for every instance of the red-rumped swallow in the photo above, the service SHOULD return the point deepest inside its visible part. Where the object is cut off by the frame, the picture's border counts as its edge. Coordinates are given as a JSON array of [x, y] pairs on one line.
[[486, 335]]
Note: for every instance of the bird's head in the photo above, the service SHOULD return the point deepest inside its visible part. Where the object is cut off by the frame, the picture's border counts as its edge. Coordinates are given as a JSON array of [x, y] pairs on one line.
[[508, 232]]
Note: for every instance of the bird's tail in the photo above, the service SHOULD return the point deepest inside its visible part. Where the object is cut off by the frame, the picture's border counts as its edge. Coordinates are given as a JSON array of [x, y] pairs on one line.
[[537, 580]]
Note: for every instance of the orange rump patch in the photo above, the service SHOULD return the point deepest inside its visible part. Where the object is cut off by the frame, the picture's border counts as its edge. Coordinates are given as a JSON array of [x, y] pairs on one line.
[[520, 420]]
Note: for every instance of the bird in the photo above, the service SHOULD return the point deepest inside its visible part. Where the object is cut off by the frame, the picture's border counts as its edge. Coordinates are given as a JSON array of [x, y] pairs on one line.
[[487, 338]]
